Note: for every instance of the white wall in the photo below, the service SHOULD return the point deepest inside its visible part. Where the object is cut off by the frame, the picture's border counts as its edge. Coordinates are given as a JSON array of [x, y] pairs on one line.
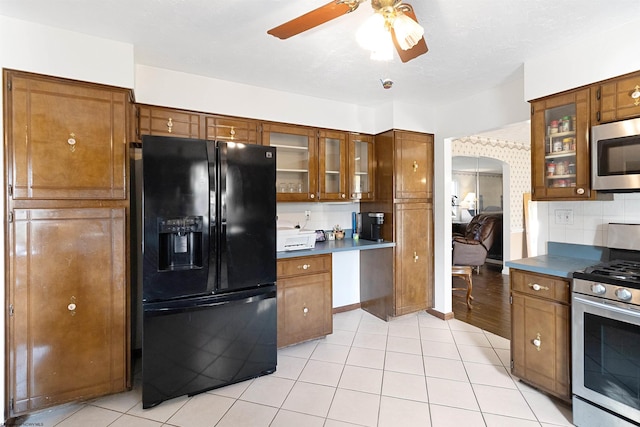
[[598, 56], [40, 49], [159, 86]]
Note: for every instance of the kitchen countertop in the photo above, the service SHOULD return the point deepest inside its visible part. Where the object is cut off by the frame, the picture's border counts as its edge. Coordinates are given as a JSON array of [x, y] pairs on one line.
[[331, 246], [562, 260]]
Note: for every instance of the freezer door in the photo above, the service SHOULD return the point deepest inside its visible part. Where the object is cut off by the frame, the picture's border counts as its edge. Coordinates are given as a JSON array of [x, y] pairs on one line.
[[198, 344], [247, 215]]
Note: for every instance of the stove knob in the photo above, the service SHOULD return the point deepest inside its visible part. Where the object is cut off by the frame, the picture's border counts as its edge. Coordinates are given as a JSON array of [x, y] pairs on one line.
[[598, 289], [623, 294]]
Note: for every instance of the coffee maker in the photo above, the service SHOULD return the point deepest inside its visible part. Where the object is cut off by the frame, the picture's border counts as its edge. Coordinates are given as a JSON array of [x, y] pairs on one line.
[[372, 226]]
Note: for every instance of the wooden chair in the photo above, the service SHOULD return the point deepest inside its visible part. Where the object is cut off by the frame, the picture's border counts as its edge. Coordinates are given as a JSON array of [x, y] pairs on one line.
[[465, 272]]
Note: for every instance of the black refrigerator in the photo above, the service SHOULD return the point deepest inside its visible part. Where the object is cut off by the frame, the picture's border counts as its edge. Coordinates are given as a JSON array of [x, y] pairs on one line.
[[208, 258]]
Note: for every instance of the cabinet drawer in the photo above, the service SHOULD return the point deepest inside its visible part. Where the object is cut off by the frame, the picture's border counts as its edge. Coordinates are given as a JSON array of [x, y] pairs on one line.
[[303, 265], [169, 122], [540, 285]]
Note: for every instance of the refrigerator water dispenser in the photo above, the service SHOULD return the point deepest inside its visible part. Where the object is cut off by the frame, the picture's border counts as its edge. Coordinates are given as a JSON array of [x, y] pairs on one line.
[[180, 243]]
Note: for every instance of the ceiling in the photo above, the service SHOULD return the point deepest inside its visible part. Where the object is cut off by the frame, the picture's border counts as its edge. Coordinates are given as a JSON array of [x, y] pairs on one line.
[[474, 45]]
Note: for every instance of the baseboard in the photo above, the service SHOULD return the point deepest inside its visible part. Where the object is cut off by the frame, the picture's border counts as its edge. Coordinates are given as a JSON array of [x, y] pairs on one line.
[[440, 315], [346, 308]]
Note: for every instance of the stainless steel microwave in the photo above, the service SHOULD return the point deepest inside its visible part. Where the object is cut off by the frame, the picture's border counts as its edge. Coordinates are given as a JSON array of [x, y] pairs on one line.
[[615, 156]]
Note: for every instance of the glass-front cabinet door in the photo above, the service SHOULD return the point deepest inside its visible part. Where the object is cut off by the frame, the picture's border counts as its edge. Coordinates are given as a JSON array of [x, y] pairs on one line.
[[361, 167], [333, 165], [296, 161], [560, 147]]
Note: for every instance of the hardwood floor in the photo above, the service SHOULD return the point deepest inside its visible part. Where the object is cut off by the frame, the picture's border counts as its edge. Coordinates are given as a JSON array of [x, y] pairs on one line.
[[491, 309]]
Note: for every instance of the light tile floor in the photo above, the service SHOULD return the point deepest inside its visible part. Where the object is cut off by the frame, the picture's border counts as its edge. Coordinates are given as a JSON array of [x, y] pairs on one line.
[[415, 370]]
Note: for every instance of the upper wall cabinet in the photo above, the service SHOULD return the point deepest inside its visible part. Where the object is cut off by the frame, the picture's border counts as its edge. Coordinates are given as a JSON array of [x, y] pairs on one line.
[[414, 165], [361, 167], [332, 165], [560, 147], [296, 161], [232, 129], [616, 99], [69, 138], [169, 122]]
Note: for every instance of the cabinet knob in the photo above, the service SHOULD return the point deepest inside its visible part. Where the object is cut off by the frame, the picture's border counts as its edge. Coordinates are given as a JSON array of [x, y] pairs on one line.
[[580, 191], [313, 196], [344, 196], [305, 310], [232, 133], [72, 306], [537, 341], [415, 256], [415, 166], [72, 142], [169, 124], [304, 266], [537, 287], [636, 95]]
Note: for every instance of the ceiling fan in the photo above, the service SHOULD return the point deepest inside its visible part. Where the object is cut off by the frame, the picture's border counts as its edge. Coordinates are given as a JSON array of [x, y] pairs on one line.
[[396, 18]]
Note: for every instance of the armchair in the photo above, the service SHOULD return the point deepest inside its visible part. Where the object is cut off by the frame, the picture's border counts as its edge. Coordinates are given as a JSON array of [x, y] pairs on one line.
[[471, 248]]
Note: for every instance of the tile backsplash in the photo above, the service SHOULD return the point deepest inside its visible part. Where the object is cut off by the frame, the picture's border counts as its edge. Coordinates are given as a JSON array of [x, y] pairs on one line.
[[323, 216], [590, 220]]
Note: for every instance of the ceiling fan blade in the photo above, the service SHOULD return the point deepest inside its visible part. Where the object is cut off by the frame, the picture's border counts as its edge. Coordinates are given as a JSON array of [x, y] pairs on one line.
[[312, 19], [419, 49]]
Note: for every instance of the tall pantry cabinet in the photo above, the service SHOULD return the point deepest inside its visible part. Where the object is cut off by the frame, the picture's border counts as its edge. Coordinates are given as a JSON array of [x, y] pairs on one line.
[[404, 193], [66, 274]]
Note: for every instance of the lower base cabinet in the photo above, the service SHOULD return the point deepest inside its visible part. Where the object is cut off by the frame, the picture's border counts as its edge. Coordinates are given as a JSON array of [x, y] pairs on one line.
[[304, 299], [68, 306], [540, 332]]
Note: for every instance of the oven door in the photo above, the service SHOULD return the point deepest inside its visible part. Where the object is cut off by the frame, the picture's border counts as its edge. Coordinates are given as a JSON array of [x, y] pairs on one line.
[[606, 354]]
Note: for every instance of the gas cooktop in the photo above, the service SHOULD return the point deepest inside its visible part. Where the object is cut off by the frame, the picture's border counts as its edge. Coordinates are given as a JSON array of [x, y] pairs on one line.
[[615, 272]]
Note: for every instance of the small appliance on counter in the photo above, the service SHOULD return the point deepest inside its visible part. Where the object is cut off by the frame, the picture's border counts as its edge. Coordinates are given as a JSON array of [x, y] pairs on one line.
[[372, 226], [292, 239]]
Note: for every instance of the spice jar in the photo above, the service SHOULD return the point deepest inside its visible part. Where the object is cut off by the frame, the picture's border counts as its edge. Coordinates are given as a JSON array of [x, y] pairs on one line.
[[560, 168], [554, 126], [566, 144], [557, 146], [563, 126], [551, 168]]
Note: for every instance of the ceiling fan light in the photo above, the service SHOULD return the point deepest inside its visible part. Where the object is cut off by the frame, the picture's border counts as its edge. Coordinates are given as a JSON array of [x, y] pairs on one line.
[[384, 50], [372, 32], [408, 32]]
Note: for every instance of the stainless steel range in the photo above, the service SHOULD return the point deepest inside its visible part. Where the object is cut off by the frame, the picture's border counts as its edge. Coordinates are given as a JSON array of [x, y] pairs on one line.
[[605, 335]]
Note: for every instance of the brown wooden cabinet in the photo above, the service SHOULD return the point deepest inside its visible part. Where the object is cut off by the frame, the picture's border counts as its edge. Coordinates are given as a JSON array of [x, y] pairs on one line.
[[560, 167], [413, 165], [304, 299], [67, 268], [232, 129], [616, 99], [332, 165], [540, 331], [296, 161], [68, 334], [68, 141], [362, 167], [153, 120], [404, 177], [413, 227]]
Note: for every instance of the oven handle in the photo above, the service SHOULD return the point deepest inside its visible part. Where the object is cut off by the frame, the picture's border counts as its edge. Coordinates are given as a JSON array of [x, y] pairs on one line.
[[608, 306]]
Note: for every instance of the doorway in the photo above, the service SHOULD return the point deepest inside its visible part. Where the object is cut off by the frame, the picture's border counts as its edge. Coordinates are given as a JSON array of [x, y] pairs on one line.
[[477, 187]]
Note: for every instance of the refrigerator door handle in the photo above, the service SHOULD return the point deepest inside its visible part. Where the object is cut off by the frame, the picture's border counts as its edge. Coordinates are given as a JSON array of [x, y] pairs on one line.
[[165, 308]]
